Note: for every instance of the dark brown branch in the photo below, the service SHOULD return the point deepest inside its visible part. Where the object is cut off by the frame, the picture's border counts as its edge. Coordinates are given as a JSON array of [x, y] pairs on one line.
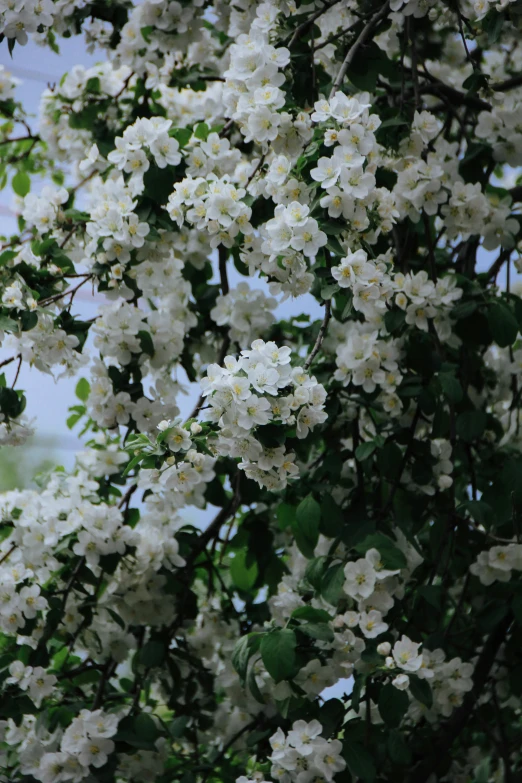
[[127, 496], [17, 370], [8, 554], [406, 456], [215, 526], [497, 265], [322, 334], [303, 28], [359, 41], [439, 89], [20, 138], [222, 253], [8, 361], [508, 84], [108, 671]]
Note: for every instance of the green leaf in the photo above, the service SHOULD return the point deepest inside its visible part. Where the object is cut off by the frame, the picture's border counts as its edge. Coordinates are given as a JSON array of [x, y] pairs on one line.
[[471, 425], [306, 527], [475, 82], [93, 84], [393, 704], [395, 318], [253, 686], [320, 631], [83, 389], [145, 727], [397, 748], [389, 460], [311, 614], [146, 343], [313, 574], [391, 555], [8, 324], [73, 419], [332, 584], [10, 403], [278, 653], [7, 256], [359, 761], [116, 617], [285, 515], [21, 183], [479, 511], [450, 386], [421, 690], [365, 450], [503, 324], [243, 576], [202, 131], [177, 726], [182, 135], [152, 654], [245, 647], [332, 518]]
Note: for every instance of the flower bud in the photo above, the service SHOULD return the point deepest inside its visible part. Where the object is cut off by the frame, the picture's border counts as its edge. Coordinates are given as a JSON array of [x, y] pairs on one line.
[[401, 682]]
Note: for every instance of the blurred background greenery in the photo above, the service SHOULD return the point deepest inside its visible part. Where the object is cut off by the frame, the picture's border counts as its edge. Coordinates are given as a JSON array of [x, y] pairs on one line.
[[19, 466]]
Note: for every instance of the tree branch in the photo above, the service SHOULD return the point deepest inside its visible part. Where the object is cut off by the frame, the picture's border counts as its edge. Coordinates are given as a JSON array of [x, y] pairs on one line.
[[360, 40], [303, 28], [322, 334]]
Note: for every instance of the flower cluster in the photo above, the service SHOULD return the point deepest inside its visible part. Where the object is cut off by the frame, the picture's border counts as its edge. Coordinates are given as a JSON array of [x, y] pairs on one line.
[[498, 563], [245, 311], [214, 205], [252, 94], [304, 755], [130, 154], [248, 394], [64, 755]]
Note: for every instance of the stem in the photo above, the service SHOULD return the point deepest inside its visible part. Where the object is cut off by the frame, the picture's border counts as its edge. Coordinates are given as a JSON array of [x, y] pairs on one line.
[[303, 28], [359, 41], [322, 333], [8, 554], [17, 370], [222, 252]]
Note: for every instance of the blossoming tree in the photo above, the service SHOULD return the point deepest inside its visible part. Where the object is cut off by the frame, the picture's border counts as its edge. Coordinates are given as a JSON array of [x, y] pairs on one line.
[[350, 607]]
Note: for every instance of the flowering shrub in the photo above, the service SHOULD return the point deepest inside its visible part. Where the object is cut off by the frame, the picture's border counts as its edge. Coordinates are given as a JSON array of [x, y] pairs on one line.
[[315, 575]]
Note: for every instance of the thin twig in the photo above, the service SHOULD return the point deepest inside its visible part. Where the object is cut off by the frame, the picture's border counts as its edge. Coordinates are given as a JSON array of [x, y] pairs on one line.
[[8, 554], [322, 333], [57, 297], [256, 169], [17, 370], [359, 41], [127, 496], [20, 138], [303, 28], [8, 361], [107, 672]]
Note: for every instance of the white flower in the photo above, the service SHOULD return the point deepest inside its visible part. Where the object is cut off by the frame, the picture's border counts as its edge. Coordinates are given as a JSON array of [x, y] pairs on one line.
[[302, 735], [406, 655], [360, 579], [95, 752], [371, 624], [401, 682]]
